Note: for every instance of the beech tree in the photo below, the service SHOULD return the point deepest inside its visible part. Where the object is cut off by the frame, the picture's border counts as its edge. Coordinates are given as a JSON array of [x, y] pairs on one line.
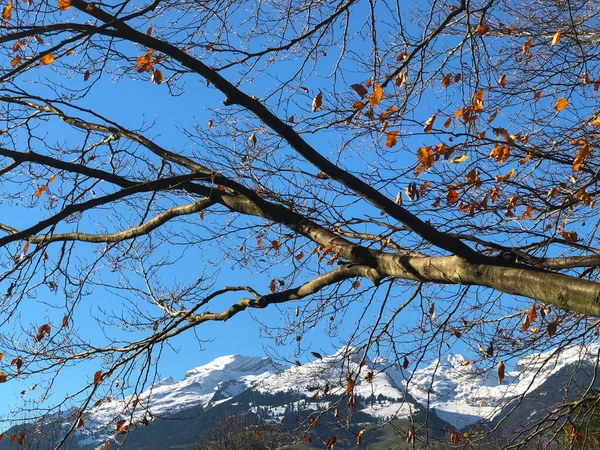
[[433, 161]]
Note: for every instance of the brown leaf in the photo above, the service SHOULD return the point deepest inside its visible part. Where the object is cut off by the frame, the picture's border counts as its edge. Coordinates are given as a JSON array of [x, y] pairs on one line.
[[452, 196], [526, 46], [350, 383], [2, 378], [500, 371], [358, 105], [401, 79], [569, 236], [429, 124], [355, 284], [360, 90], [446, 80], [121, 427], [391, 139], [157, 76], [502, 81], [316, 355], [454, 438], [317, 102], [98, 377], [405, 363], [273, 286], [551, 330], [79, 422], [331, 442], [482, 30]]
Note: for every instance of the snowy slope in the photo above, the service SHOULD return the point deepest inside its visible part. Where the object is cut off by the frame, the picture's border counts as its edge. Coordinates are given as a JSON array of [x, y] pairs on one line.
[[330, 375], [221, 379], [459, 393], [463, 394]]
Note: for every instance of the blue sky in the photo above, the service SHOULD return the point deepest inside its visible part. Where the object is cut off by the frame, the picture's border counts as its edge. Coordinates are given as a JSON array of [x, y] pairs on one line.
[[134, 102]]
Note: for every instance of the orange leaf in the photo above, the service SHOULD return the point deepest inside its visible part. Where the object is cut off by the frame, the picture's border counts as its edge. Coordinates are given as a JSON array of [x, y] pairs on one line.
[[63, 5], [145, 62], [526, 323], [478, 100], [429, 124], [582, 154], [40, 190], [532, 314], [526, 46], [359, 436], [46, 59], [595, 122], [561, 104], [425, 157], [376, 95], [500, 153], [555, 39], [7, 11], [317, 102], [391, 139]]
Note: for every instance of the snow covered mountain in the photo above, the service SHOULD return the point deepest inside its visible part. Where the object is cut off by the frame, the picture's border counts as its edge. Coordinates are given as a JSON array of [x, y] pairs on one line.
[[457, 394]]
